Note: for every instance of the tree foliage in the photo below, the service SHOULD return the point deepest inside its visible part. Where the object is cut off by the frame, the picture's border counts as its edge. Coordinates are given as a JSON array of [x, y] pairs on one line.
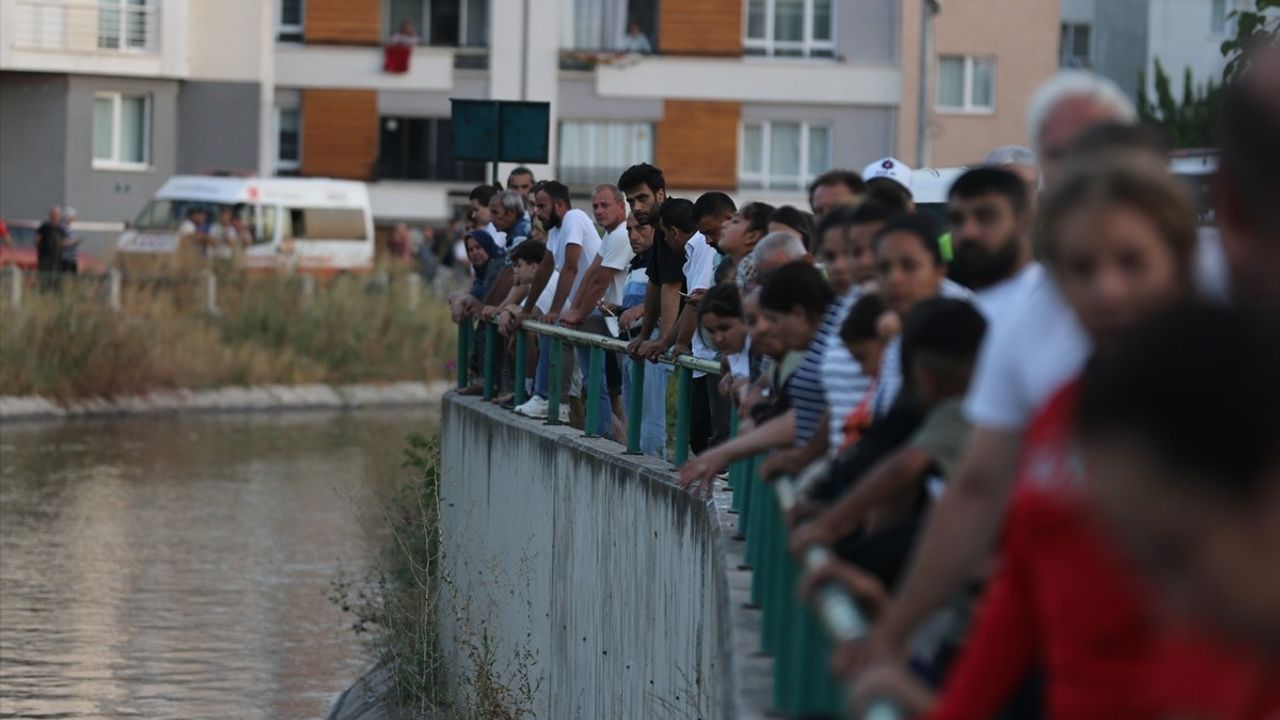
[[1189, 121], [1252, 28]]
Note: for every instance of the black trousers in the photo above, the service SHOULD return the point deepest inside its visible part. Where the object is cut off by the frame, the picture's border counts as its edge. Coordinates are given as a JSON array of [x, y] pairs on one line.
[[709, 421]]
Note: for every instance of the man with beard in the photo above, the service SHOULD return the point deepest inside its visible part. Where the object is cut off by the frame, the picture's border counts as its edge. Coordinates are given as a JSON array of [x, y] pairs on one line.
[[990, 215]]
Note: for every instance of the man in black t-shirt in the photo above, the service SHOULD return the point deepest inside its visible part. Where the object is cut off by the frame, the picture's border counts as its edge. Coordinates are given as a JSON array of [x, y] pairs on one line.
[[646, 190], [49, 238]]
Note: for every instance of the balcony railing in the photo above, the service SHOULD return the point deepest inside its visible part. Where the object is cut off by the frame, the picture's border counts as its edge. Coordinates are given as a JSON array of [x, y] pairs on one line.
[[126, 26]]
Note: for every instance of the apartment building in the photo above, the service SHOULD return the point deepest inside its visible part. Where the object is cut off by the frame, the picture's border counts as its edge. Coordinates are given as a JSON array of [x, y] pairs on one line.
[[989, 57], [101, 100]]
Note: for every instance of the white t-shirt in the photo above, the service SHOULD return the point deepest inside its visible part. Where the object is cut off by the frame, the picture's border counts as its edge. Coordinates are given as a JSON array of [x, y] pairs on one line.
[[575, 229], [1032, 347], [543, 303], [1002, 298], [843, 382], [498, 236], [740, 362], [616, 255], [699, 272]]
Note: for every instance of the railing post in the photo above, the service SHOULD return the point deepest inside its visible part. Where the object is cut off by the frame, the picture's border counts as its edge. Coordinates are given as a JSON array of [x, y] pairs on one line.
[[553, 386], [490, 350], [15, 285], [114, 281], [211, 293], [413, 287], [522, 361], [308, 290], [595, 369], [684, 412], [635, 407], [464, 348]]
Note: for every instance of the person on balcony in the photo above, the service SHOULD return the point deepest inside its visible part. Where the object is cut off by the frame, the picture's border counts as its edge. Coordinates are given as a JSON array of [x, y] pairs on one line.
[[399, 48]]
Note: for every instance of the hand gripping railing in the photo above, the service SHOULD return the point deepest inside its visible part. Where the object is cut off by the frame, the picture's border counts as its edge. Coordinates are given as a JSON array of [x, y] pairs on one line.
[[685, 365]]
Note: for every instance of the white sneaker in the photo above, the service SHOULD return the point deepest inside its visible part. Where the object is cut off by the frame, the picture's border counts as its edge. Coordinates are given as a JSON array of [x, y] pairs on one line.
[[535, 407]]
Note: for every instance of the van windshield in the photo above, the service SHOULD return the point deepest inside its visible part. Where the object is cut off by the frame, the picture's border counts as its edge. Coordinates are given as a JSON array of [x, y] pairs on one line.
[[167, 215]]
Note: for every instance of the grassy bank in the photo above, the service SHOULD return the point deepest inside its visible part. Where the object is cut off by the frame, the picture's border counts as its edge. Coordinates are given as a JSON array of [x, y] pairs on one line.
[[396, 608], [70, 344]]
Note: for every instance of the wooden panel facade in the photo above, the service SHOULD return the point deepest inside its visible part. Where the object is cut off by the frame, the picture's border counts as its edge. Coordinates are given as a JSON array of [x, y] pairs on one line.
[[339, 133], [697, 144], [701, 27], [343, 22]]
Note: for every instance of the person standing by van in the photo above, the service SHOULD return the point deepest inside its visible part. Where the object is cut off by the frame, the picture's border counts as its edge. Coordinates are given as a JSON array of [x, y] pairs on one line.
[[49, 238]]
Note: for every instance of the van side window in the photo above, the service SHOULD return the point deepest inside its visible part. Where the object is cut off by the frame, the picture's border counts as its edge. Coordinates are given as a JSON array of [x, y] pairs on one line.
[[327, 223]]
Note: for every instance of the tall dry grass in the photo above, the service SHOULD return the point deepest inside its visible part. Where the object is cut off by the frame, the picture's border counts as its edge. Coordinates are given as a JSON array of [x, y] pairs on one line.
[[68, 344]]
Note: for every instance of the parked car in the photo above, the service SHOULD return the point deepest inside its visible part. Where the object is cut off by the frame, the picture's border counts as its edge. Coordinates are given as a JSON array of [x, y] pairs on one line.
[[22, 251]]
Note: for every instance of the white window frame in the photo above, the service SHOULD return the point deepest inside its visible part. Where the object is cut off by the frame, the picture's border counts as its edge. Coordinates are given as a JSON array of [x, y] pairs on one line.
[[766, 180], [283, 28], [968, 108], [288, 165], [127, 12], [117, 103], [1063, 53], [768, 46], [1214, 29]]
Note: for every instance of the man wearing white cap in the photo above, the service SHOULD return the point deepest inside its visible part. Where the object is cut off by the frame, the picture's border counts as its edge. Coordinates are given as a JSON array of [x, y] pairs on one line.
[[891, 168]]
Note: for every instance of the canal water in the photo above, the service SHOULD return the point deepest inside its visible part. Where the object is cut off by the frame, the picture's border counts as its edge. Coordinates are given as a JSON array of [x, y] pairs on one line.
[[181, 567]]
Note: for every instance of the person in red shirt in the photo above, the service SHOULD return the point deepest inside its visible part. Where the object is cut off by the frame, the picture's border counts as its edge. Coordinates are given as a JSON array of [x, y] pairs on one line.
[[1119, 237], [1193, 492]]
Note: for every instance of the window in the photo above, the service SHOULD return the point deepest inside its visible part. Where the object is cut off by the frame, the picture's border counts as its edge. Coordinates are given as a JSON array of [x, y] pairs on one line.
[[595, 25], [416, 148], [595, 152], [289, 28], [324, 224], [288, 140], [1218, 17], [1073, 50], [125, 25], [121, 131], [167, 215], [790, 28], [783, 155], [446, 23], [966, 84]]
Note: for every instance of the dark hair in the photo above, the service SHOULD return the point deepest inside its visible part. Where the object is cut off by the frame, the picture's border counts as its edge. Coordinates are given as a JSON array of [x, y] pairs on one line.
[[723, 300], [1136, 389], [797, 283], [864, 319], [890, 192], [943, 335], [792, 217], [642, 174], [1249, 139], [529, 251], [522, 170], [919, 225], [677, 213], [711, 204], [483, 193], [1144, 186], [724, 269], [989, 180], [557, 191], [846, 216], [847, 178]]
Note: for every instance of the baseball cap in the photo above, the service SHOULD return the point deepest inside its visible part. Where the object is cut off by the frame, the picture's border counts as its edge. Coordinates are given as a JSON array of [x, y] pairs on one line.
[[892, 168]]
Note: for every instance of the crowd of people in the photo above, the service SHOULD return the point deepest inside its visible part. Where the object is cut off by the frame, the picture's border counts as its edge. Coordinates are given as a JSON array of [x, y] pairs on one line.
[[1049, 438]]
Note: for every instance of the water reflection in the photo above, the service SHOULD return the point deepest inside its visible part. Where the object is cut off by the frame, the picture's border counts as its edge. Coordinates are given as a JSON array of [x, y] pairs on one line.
[[180, 567]]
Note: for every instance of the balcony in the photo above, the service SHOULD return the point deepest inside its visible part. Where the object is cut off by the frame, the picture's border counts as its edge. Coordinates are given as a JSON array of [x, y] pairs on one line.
[[109, 26]]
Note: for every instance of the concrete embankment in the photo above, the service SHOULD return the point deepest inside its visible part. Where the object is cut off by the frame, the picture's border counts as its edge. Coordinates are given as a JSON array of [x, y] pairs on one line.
[[621, 589], [263, 398]]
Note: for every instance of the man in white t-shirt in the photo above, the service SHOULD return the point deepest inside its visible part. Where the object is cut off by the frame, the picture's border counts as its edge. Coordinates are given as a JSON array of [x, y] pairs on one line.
[[1033, 345], [572, 244], [603, 282]]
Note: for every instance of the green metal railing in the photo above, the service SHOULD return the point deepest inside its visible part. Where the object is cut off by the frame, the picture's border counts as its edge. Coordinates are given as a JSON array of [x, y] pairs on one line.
[[798, 637], [685, 366]]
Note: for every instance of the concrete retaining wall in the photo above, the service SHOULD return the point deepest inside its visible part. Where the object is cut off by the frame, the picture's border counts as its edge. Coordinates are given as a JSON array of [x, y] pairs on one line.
[[562, 546]]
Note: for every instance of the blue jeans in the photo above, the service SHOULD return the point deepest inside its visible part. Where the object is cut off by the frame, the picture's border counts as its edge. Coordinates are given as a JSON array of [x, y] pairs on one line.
[[653, 423], [604, 420], [542, 374]]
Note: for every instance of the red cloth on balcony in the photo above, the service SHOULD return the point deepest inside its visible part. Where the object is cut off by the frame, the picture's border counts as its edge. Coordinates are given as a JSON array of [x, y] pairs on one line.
[[395, 58]]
